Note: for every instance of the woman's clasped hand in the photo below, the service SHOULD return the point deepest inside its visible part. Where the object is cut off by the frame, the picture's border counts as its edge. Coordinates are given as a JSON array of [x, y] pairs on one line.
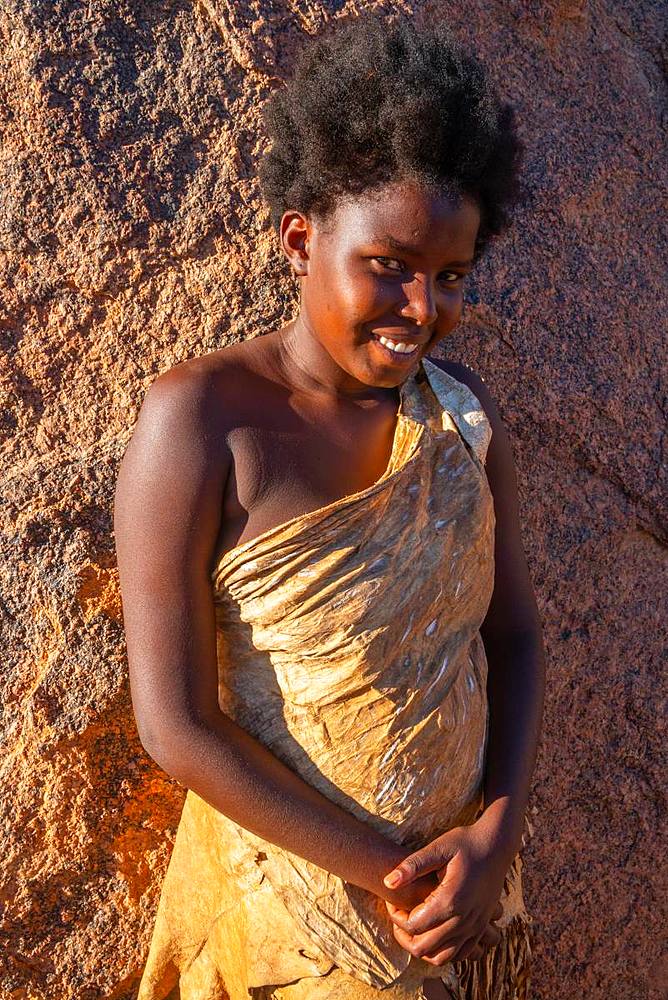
[[456, 920]]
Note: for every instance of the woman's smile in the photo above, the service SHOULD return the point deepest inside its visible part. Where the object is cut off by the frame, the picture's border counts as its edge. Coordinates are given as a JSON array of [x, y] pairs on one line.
[[397, 352]]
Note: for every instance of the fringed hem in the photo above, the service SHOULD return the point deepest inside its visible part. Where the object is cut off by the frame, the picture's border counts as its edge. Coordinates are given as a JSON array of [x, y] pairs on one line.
[[504, 972]]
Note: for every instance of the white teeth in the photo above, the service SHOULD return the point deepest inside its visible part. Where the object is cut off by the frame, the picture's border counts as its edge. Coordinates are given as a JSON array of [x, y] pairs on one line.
[[400, 347]]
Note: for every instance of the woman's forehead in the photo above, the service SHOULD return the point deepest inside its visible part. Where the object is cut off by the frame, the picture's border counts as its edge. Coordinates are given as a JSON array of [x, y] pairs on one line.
[[405, 218]]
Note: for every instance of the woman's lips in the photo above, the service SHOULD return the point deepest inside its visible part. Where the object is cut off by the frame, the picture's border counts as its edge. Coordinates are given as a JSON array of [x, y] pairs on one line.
[[395, 356]]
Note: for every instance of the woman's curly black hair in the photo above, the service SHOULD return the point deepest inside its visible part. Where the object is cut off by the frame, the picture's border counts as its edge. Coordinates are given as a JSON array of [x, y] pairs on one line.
[[379, 99]]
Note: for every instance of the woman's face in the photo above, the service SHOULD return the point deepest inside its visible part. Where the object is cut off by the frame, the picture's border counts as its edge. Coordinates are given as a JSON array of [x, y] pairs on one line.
[[387, 264]]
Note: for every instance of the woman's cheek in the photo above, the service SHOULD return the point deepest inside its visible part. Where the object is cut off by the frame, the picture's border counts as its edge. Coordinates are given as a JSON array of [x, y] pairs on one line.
[[452, 307]]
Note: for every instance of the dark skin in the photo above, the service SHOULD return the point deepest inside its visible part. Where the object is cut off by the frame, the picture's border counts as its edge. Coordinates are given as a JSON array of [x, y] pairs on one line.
[[236, 442]]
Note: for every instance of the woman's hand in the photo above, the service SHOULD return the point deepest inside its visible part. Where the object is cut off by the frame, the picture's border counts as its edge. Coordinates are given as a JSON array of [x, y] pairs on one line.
[[417, 943], [453, 922]]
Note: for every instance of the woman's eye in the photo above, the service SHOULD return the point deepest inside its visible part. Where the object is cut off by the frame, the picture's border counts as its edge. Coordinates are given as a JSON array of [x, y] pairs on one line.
[[391, 260], [452, 278]]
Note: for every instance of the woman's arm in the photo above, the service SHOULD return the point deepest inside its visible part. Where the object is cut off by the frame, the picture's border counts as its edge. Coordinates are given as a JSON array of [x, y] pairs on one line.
[[512, 637], [168, 505]]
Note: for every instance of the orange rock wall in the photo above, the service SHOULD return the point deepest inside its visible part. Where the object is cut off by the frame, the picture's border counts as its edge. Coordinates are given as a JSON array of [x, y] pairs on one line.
[[133, 236]]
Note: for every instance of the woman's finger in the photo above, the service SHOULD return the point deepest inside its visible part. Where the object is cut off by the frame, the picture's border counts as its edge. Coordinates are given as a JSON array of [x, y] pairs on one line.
[[397, 914], [443, 934], [488, 939], [471, 950], [441, 957], [438, 939], [404, 939], [450, 925], [410, 944], [430, 858], [437, 908]]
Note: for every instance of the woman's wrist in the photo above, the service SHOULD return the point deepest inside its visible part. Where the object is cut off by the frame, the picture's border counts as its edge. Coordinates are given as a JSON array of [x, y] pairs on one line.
[[502, 824]]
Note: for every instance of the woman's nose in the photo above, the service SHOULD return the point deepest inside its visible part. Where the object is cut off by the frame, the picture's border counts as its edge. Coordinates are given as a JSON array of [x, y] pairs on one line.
[[421, 305]]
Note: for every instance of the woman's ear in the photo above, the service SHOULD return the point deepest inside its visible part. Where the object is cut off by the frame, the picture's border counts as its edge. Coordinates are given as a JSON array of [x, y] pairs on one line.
[[295, 233]]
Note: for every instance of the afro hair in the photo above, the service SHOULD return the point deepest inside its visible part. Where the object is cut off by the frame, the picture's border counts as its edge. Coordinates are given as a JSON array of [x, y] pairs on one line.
[[380, 99]]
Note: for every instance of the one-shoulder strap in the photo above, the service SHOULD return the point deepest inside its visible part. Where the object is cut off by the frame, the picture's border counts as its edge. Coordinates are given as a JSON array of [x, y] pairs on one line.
[[463, 406]]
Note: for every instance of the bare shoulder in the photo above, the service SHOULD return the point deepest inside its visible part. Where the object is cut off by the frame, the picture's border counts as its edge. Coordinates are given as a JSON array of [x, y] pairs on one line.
[[170, 479], [179, 445], [209, 396], [211, 378], [190, 462]]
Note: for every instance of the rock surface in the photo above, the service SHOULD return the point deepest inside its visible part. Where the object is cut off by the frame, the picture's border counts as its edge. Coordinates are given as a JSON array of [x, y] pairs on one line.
[[133, 236]]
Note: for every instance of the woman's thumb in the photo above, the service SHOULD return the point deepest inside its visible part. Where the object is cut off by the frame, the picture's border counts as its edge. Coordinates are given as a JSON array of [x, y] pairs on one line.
[[413, 866]]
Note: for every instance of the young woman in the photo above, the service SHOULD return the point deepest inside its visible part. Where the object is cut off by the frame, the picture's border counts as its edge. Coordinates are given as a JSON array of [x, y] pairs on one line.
[[332, 635]]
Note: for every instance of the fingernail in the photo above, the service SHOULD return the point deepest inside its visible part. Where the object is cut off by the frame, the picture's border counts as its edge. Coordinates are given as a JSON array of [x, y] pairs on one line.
[[392, 879]]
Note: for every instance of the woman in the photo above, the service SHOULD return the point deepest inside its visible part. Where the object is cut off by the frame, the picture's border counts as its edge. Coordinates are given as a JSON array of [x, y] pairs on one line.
[[332, 635]]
